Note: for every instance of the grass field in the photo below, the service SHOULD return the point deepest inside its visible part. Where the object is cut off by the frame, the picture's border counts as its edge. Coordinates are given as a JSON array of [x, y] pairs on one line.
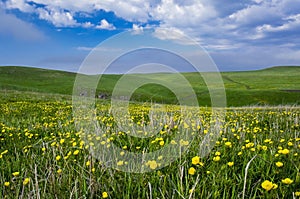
[[272, 86], [45, 154]]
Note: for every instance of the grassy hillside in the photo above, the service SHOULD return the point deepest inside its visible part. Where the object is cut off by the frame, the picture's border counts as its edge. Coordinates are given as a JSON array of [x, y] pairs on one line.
[[271, 86]]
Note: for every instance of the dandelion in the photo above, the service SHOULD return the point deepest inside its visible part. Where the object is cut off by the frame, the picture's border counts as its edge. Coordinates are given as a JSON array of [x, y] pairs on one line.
[[229, 144], [152, 164], [161, 143], [192, 171], [173, 142], [279, 164], [217, 153], [104, 194], [287, 181], [88, 163], [216, 158], [120, 163], [297, 193], [58, 158], [284, 151], [6, 184], [15, 174], [26, 181], [76, 152], [195, 160], [59, 171], [267, 185], [230, 164]]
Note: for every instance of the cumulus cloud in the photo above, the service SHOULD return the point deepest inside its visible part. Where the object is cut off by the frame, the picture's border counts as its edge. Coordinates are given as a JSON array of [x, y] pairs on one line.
[[105, 25], [58, 17], [19, 4]]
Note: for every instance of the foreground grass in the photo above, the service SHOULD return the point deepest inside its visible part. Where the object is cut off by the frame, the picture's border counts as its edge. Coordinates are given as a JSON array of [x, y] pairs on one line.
[[44, 156]]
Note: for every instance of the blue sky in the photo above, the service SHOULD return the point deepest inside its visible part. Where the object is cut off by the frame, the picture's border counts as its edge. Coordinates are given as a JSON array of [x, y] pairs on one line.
[[238, 34]]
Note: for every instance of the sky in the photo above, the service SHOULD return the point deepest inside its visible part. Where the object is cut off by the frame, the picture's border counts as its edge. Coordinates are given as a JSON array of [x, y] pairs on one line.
[[237, 34]]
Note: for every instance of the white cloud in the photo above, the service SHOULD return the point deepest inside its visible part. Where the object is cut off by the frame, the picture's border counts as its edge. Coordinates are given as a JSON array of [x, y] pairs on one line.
[[58, 17], [105, 25], [292, 22], [19, 4], [137, 29], [188, 14], [87, 25]]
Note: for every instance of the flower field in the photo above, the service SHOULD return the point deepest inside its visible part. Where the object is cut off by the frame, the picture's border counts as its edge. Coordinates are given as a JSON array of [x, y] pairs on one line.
[[43, 155]]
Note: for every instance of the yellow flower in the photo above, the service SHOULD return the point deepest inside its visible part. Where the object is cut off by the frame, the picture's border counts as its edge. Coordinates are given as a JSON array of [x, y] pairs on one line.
[[120, 163], [173, 142], [264, 148], [279, 164], [152, 164], [297, 193], [26, 181], [76, 152], [58, 157], [4, 152], [284, 151], [267, 185], [192, 171], [217, 153], [229, 144], [104, 194], [88, 163], [62, 141], [216, 159], [161, 143], [59, 171], [287, 181], [290, 144], [15, 174], [240, 153], [43, 149], [195, 160], [230, 164], [183, 143], [6, 184]]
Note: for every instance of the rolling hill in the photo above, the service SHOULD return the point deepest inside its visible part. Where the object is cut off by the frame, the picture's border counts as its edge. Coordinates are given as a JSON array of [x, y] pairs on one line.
[[270, 86]]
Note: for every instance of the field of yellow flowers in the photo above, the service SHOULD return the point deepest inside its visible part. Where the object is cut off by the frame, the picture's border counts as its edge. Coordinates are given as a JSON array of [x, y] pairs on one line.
[[42, 155]]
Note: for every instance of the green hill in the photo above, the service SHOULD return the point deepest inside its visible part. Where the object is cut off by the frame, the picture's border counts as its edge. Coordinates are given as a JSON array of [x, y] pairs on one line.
[[271, 86]]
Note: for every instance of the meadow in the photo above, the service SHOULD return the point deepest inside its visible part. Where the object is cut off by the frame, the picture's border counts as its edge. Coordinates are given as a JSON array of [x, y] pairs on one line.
[[271, 86], [43, 154]]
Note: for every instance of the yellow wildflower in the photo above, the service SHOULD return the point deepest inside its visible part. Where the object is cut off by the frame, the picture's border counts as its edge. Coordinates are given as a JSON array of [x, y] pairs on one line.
[[287, 181], [267, 185], [192, 171]]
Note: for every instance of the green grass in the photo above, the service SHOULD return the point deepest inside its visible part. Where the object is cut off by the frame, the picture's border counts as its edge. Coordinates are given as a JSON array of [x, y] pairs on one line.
[[272, 86], [39, 140]]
